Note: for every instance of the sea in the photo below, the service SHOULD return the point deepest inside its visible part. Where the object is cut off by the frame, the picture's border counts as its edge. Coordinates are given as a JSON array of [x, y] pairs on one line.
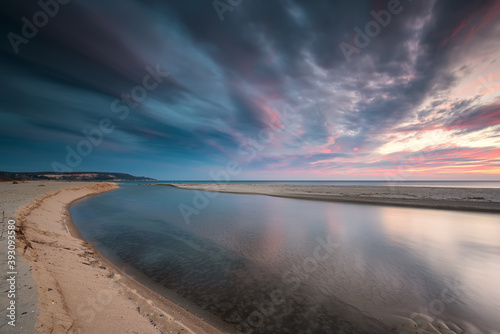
[[391, 183]]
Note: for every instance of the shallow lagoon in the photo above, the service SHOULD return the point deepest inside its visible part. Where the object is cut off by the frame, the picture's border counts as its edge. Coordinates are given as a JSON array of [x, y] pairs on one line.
[[272, 264]]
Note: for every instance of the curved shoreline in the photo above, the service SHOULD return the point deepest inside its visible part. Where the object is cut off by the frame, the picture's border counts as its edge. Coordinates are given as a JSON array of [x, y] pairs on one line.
[[47, 224], [80, 290], [461, 199], [139, 288]]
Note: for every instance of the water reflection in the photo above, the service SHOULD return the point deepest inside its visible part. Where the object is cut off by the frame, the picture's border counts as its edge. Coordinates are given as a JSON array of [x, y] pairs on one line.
[[452, 244], [315, 266]]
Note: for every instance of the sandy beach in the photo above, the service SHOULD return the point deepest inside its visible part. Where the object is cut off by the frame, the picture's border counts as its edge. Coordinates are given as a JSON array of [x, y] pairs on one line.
[[64, 285], [466, 199]]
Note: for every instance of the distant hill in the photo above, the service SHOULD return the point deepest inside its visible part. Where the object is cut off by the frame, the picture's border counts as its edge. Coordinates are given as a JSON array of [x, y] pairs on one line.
[[74, 176]]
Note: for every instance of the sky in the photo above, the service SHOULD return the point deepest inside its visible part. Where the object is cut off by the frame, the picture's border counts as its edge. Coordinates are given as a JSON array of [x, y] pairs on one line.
[[252, 89]]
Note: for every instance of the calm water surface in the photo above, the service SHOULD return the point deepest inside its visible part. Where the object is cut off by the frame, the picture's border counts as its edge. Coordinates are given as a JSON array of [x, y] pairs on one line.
[[277, 265], [390, 182]]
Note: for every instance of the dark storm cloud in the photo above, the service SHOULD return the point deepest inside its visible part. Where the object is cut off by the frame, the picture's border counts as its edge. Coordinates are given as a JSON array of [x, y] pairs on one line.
[[230, 79], [476, 119]]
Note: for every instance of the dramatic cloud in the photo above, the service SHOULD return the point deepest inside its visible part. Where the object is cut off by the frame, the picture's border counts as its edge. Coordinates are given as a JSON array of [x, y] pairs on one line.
[[286, 88]]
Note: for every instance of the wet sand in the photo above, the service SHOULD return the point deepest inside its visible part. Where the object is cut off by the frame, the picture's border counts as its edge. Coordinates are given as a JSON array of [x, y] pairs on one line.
[[466, 199], [78, 290]]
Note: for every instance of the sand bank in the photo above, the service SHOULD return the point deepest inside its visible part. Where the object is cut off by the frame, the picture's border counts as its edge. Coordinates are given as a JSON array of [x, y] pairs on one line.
[[13, 196], [467, 199], [78, 290]]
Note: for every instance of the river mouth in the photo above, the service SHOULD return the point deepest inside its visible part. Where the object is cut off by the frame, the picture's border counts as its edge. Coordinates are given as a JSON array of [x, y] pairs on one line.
[[282, 265]]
